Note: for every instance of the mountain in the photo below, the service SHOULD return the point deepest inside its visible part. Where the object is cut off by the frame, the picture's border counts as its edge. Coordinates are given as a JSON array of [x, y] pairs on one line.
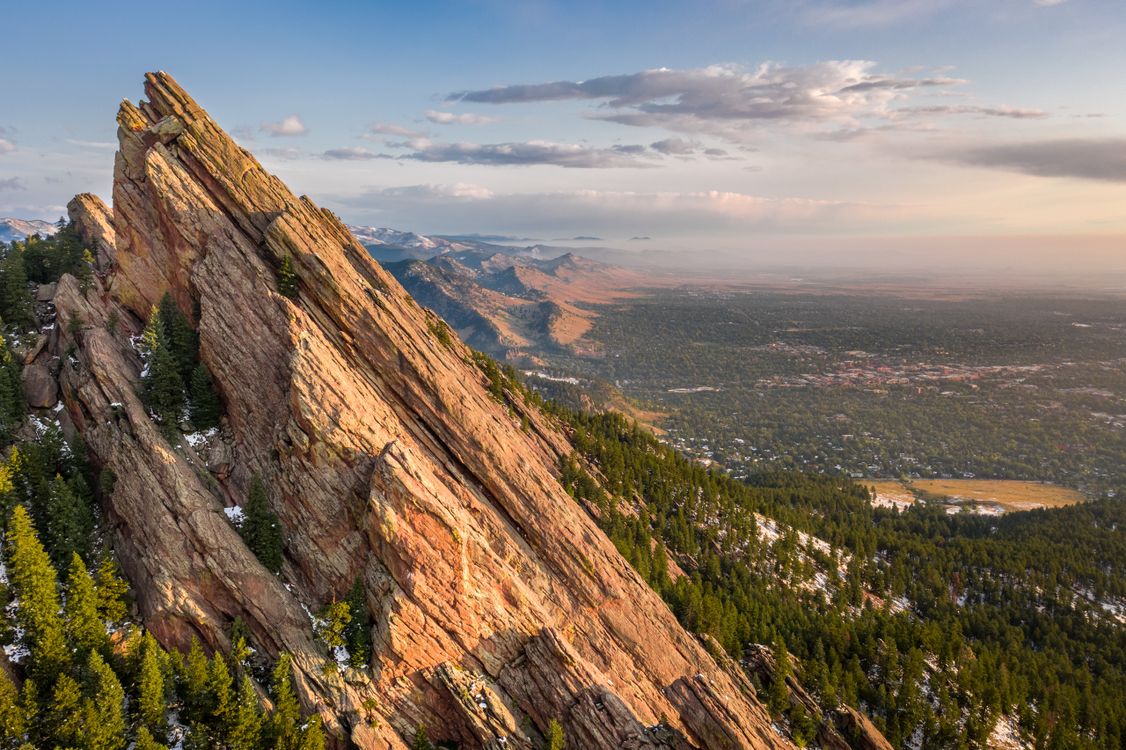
[[511, 305], [20, 229], [399, 468]]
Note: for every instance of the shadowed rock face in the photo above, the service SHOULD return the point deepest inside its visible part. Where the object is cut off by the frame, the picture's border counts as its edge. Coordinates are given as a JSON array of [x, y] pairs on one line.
[[388, 461]]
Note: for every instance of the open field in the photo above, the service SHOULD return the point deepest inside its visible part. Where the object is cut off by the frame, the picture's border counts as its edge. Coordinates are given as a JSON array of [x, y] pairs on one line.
[[1006, 494]]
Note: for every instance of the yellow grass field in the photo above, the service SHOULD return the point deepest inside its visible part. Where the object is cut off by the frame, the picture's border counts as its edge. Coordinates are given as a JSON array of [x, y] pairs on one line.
[[1011, 495]]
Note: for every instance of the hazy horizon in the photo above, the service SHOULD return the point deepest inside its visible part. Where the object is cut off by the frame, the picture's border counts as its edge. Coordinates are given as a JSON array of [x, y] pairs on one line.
[[930, 135]]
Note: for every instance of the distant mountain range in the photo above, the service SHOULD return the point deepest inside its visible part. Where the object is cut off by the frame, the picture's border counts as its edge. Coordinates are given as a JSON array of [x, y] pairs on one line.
[[19, 229], [509, 301]]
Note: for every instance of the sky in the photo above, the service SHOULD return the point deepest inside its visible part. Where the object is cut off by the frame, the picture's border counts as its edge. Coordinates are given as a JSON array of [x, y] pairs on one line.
[[937, 131]]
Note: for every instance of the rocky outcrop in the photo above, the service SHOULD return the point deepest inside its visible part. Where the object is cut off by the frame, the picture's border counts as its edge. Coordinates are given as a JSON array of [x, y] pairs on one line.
[[94, 222], [497, 604], [39, 387]]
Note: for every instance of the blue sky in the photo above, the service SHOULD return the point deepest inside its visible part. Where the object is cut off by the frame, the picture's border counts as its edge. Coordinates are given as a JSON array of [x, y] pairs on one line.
[[716, 124]]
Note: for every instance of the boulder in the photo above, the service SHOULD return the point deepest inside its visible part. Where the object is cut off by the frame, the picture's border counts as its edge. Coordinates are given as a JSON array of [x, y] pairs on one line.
[[39, 387]]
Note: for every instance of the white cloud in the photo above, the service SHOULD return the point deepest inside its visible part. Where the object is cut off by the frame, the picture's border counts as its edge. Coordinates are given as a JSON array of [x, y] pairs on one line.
[[289, 126], [377, 129], [616, 213], [6, 146], [353, 153], [451, 118], [731, 101], [525, 153], [12, 183]]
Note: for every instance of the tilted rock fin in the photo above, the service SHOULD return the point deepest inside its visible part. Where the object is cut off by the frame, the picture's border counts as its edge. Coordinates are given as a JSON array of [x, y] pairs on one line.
[[388, 461]]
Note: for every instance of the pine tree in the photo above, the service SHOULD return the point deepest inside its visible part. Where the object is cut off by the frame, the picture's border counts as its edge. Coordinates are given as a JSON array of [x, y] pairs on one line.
[[145, 741], [555, 738], [151, 703], [282, 728], [15, 301], [195, 683], [247, 729], [71, 523], [34, 581], [84, 625], [334, 620], [198, 738], [179, 335], [779, 695], [13, 724], [104, 711], [261, 529], [287, 278], [312, 737], [357, 633], [64, 721], [32, 715], [163, 386], [205, 405], [111, 590], [421, 739], [220, 689]]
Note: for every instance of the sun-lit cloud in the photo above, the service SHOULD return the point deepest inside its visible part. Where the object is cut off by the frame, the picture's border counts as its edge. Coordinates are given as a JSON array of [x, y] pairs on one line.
[[525, 153], [378, 129], [731, 101], [353, 153], [286, 127], [669, 213], [6, 146], [451, 118]]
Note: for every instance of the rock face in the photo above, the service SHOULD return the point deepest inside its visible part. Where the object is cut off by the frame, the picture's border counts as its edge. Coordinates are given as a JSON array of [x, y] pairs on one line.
[[95, 223], [388, 461]]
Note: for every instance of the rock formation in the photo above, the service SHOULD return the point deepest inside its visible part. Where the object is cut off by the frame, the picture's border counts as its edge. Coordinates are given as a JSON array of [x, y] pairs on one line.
[[496, 602]]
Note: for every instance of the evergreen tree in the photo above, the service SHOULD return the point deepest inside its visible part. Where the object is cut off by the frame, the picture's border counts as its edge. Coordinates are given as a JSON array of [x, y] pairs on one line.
[[246, 731], [205, 405], [357, 633], [421, 739], [198, 738], [555, 739], [13, 407], [282, 728], [194, 684], [13, 725], [312, 737], [145, 741], [34, 581], [163, 386], [64, 720], [15, 301], [71, 523], [111, 590], [220, 689], [179, 335], [84, 625], [334, 621], [32, 715], [287, 278], [151, 703], [779, 695], [104, 711], [261, 529]]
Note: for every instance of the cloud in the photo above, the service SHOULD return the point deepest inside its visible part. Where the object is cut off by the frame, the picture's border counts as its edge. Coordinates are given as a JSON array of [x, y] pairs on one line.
[[608, 213], [355, 153], [101, 145], [1010, 112], [1048, 3], [525, 153], [729, 100], [450, 118], [675, 147], [377, 129], [6, 146], [1101, 159], [287, 127], [11, 184], [286, 154], [873, 12]]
